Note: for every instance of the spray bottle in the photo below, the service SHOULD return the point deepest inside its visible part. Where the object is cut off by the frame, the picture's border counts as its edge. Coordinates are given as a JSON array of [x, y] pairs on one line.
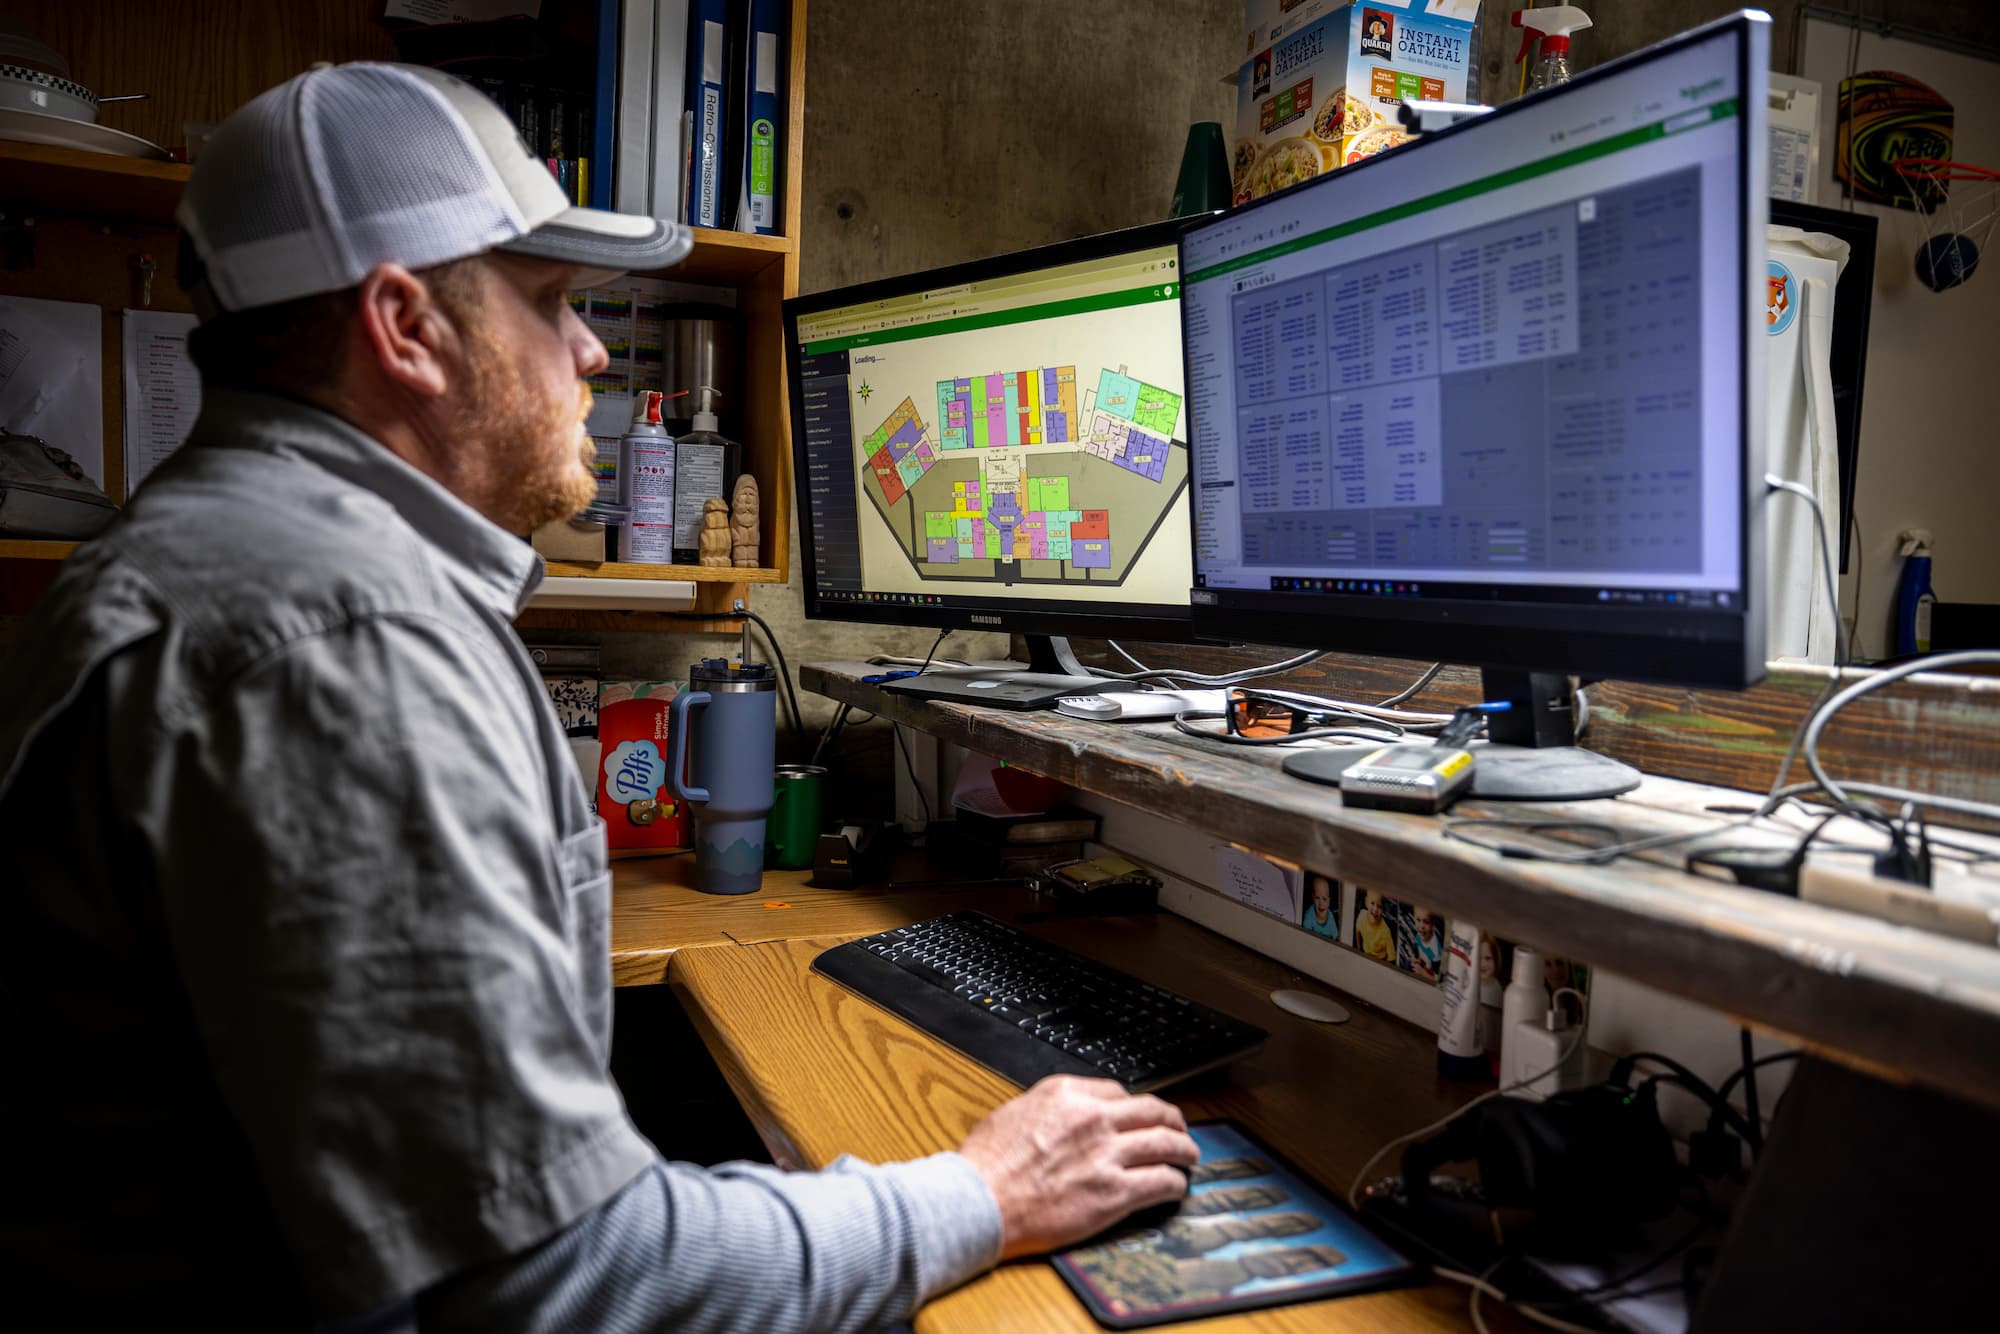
[[1914, 597], [707, 464], [1552, 25], [646, 485]]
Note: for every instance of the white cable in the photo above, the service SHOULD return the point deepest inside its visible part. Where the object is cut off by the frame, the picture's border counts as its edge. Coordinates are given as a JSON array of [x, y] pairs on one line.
[[1583, 1006], [1114, 646], [1221, 678], [1777, 483], [1807, 741], [1809, 744], [1842, 649], [1479, 1285]]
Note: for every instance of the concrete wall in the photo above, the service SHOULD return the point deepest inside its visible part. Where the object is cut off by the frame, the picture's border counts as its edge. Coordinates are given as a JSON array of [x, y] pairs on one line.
[[937, 133]]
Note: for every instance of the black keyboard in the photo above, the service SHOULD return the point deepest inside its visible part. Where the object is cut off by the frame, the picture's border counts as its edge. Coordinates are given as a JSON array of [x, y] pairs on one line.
[[1024, 1008]]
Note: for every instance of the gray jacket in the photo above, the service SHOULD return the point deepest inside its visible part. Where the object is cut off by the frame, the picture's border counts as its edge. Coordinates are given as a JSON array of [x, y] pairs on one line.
[[303, 938]]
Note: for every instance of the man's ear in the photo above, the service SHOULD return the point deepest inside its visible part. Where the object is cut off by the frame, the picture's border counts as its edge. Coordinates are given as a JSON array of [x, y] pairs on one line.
[[404, 331]]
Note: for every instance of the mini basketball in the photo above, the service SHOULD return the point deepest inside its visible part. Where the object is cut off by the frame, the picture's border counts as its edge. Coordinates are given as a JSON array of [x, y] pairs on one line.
[[1946, 261]]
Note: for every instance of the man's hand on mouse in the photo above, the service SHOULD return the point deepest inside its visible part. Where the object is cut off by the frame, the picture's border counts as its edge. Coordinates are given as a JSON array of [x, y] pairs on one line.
[[1070, 1157]]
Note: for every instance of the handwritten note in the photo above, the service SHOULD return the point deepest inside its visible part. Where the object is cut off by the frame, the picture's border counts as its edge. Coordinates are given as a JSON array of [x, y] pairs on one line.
[[1263, 885]]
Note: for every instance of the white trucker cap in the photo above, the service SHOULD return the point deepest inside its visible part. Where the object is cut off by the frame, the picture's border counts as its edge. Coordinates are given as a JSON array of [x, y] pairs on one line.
[[311, 184]]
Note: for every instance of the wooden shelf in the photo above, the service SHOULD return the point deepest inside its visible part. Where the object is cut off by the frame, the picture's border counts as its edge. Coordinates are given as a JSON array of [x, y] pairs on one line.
[[14, 548], [97, 215], [1877, 995], [701, 574], [727, 258], [69, 180]]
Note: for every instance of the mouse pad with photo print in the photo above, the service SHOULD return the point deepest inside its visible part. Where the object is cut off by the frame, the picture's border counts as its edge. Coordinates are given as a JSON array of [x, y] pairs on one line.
[[1252, 1232]]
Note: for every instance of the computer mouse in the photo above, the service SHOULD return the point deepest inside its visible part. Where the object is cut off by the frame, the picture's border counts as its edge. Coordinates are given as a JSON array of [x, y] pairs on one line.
[[1089, 706], [1152, 1216]]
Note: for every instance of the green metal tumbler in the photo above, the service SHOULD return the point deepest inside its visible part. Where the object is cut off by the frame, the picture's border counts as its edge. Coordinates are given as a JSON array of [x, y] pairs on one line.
[[792, 829]]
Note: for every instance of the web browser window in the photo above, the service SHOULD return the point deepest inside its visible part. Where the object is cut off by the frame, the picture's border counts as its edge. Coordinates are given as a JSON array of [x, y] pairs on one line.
[[1020, 437], [1500, 361]]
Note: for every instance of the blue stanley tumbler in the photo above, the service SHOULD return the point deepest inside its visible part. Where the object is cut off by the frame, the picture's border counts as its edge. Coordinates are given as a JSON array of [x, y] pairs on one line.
[[730, 721]]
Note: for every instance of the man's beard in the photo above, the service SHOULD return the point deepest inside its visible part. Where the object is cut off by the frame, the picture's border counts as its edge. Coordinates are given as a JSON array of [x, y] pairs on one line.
[[533, 476]]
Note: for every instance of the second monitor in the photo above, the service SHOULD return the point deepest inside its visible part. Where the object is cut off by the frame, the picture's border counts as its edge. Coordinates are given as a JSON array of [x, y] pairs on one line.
[[999, 445]]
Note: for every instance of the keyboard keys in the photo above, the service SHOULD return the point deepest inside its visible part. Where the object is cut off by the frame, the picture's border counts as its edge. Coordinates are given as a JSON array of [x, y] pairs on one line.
[[1123, 1028]]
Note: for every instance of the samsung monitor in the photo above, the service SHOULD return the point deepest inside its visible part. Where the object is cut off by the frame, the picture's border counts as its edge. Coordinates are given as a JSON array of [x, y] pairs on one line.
[[999, 445], [1496, 397]]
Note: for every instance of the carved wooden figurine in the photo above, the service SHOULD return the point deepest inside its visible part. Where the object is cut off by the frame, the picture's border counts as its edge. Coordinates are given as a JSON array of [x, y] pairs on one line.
[[745, 526], [715, 531]]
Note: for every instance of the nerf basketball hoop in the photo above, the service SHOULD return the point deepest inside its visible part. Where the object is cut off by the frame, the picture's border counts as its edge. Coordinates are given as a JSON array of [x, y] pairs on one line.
[[1955, 204]]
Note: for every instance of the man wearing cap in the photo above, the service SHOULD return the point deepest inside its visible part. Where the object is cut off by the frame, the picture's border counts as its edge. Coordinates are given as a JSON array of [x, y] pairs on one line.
[[303, 912]]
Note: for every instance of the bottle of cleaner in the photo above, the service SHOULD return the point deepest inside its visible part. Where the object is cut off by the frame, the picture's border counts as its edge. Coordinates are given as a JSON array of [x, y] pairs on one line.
[[1553, 25], [1914, 597], [706, 464], [646, 484]]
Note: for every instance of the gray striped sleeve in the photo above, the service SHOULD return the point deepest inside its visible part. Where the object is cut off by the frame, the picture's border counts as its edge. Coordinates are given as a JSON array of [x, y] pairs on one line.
[[742, 1247]]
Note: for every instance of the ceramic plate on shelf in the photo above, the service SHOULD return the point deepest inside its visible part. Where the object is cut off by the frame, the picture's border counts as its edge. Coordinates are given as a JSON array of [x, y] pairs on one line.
[[60, 132]]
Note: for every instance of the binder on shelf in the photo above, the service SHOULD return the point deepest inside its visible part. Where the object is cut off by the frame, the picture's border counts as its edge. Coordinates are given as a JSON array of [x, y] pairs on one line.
[[666, 107], [707, 104], [631, 176], [595, 175], [757, 189]]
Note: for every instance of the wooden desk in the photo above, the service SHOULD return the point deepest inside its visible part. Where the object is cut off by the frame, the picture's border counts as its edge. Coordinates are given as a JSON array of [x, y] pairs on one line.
[[1900, 1003], [822, 1072]]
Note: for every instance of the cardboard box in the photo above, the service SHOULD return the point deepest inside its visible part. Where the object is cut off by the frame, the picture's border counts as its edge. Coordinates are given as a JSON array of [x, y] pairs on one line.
[[1324, 90], [577, 539], [634, 799]]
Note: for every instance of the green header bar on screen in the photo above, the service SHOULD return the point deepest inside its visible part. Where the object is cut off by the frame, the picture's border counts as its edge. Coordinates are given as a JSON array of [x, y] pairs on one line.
[[1497, 181], [1082, 305]]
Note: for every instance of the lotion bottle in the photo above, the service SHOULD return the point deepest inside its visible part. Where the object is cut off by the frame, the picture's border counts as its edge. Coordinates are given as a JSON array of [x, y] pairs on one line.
[[706, 465]]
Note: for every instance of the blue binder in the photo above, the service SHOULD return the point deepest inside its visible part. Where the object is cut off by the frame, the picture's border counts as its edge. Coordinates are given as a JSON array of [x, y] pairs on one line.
[[708, 105], [761, 137]]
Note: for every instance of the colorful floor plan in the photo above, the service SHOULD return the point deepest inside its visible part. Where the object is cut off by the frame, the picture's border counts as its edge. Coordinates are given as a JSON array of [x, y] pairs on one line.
[[1035, 407], [1001, 490]]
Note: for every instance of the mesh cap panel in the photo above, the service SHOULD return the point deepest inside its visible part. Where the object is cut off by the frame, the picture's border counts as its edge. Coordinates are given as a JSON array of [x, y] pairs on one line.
[[422, 193], [308, 186], [249, 187]]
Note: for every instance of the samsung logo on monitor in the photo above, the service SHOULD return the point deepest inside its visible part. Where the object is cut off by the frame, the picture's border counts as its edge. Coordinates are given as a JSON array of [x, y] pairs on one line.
[[977, 619]]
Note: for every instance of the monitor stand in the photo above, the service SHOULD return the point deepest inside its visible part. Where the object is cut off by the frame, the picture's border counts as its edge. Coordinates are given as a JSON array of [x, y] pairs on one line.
[[1051, 673], [1527, 755]]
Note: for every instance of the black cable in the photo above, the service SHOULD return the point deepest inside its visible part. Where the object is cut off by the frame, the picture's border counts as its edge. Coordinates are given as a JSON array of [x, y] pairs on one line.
[[933, 653], [784, 673], [1414, 689], [1455, 827], [1738, 1076], [784, 668], [915, 782], [1621, 1074], [1748, 1074], [830, 731]]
